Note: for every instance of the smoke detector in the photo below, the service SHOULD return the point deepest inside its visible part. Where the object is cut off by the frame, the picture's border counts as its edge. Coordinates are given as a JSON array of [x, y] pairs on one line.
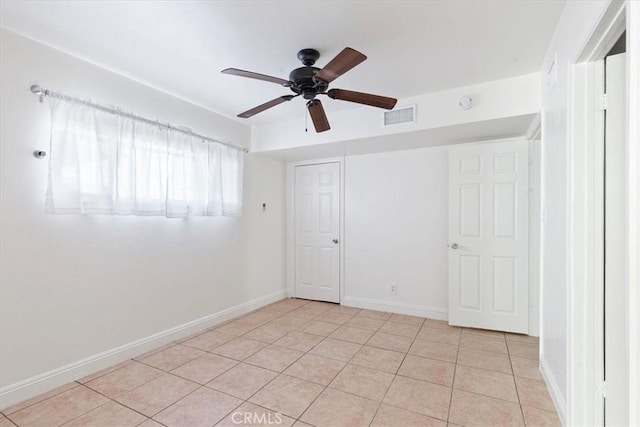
[[465, 102]]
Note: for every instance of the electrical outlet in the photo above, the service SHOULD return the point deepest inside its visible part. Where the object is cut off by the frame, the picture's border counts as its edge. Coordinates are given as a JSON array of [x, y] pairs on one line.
[[393, 289]]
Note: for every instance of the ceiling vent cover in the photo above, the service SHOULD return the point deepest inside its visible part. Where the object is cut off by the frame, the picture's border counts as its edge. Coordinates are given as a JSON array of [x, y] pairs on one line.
[[400, 115]]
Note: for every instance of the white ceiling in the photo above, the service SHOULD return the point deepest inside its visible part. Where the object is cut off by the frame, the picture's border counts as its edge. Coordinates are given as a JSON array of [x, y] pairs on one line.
[[414, 47]]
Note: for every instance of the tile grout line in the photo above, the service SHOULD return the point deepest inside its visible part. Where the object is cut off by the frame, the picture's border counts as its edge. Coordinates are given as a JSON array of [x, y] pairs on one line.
[[181, 365], [282, 373], [327, 386], [159, 376], [515, 384], [165, 372], [257, 391], [57, 394], [110, 400], [10, 420], [453, 380], [253, 394], [39, 401], [395, 374], [346, 363]]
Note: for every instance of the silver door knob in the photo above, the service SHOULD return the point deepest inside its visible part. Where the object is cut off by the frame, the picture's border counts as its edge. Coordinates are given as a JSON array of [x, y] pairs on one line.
[[454, 246], [335, 241]]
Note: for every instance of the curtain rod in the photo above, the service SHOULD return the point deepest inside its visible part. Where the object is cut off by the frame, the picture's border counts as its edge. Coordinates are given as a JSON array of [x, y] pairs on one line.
[[39, 91]]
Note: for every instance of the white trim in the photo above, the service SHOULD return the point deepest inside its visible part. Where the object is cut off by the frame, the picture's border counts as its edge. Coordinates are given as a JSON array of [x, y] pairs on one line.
[[15, 393], [585, 313], [290, 211], [605, 34], [534, 136], [535, 128], [586, 268], [554, 390], [616, 295], [437, 313], [633, 262]]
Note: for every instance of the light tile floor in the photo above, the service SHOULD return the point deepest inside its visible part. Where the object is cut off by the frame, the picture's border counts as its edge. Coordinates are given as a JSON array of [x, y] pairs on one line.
[[298, 362]]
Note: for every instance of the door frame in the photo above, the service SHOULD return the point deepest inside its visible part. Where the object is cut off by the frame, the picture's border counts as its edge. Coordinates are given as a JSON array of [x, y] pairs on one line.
[[586, 220], [534, 137], [290, 221]]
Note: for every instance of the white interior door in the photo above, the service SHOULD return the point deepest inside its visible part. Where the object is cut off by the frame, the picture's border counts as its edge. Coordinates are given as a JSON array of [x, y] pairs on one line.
[[317, 229], [488, 232], [615, 294]]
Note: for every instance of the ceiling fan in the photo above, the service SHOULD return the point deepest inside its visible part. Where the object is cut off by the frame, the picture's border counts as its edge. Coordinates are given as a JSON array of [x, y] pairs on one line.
[[310, 81]]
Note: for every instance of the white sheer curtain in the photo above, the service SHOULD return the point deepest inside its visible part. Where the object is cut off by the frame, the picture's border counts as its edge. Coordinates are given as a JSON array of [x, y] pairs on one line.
[[103, 163]]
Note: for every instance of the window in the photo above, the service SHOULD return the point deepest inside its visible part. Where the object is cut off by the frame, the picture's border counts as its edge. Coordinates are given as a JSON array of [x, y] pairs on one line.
[[104, 163]]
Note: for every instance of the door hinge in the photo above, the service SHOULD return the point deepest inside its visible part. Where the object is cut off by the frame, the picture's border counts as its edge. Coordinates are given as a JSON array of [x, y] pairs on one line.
[[601, 388], [604, 101]]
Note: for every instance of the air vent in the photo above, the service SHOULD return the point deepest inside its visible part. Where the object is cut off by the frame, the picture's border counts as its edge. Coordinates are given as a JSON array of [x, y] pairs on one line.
[[400, 115]]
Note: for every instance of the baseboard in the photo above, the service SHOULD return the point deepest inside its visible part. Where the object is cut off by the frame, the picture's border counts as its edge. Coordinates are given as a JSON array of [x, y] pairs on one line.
[[554, 390], [46, 381], [400, 308]]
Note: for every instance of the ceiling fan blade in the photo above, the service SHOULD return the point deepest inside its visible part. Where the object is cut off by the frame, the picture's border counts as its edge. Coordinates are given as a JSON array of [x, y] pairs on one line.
[[318, 116], [362, 98], [343, 62], [257, 76], [266, 106]]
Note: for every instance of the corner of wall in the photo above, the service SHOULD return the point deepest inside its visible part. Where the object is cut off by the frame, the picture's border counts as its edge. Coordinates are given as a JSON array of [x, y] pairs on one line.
[[554, 390]]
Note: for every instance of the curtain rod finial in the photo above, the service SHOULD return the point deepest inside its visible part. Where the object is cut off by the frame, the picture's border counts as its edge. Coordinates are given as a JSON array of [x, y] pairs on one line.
[[37, 90]]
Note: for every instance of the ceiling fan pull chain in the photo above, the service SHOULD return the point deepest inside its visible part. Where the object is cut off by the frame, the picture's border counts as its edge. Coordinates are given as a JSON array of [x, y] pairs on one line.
[[306, 119]]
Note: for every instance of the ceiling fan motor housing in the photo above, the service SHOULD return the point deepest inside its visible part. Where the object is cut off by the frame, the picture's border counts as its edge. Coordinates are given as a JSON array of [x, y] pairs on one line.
[[304, 83], [303, 77]]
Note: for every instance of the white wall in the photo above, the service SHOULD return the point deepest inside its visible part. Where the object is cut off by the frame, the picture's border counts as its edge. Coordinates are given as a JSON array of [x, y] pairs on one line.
[[633, 45], [75, 286], [396, 231], [576, 24], [498, 99]]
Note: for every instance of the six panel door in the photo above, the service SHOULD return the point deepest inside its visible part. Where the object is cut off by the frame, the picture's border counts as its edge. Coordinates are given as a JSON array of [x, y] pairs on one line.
[[488, 236], [317, 231]]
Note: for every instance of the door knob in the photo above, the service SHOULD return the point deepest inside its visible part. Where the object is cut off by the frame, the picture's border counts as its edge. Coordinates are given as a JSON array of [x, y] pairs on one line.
[[454, 246], [335, 241]]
